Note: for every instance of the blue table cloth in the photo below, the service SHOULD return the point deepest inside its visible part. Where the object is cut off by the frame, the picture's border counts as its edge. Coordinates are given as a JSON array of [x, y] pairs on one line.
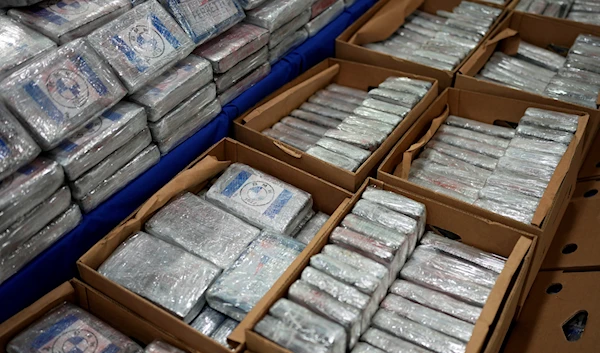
[[57, 264]]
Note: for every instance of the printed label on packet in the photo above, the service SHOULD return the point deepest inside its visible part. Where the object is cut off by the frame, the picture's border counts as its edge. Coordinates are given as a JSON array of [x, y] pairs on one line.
[[4, 150], [208, 13], [60, 12], [71, 335]]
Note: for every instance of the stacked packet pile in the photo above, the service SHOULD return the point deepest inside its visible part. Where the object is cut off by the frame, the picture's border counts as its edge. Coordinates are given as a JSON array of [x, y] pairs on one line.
[[441, 41], [225, 249], [500, 169], [332, 303], [585, 11], [343, 125], [574, 79]]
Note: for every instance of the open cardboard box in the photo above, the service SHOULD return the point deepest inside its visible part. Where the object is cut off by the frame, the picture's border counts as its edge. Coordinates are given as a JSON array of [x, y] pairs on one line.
[[489, 109], [590, 168], [95, 303], [381, 21], [248, 127], [499, 310], [327, 198], [561, 304], [541, 31], [585, 26]]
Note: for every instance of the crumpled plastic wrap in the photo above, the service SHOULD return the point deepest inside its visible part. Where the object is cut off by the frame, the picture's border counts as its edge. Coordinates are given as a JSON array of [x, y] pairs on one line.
[[359, 262], [342, 271], [362, 141], [54, 95], [286, 336], [202, 229], [161, 347], [518, 201], [260, 199], [289, 28], [208, 321], [345, 149], [390, 343], [65, 326], [324, 18], [261, 264], [550, 119], [394, 97], [274, 13], [202, 19], [474, 158], [385, 107], [174, 86], [110, 165], [325, 101], [517, 183], [245, 83], [310, 326], [331, 157], [142, 44], [437, 170], [376, 136], [111, 185], [16, 146], [325, 305], [324, 111], [59, 226], [291, 140], [377, 115], [572, 91], [540, 57], [233, 46], [221, 334], [362, 347], [473, 135], [405, 86], [505, 210], [304, 221], [312, 227], [65, 21], [443, 184], [304, 126], [244, 67], [314, 118], [527, 168], [412, 332], [162, 273], [535, 145], [423, 315], [26, 188], [288, 44], [471, 145], [99, 138], [443, 159], [369, 125]]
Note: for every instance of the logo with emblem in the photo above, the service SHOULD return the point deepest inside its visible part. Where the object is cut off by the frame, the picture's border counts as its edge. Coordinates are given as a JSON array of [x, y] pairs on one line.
[[69, 7], [146, 42], [67, 88], [76, 341], [257, 193]]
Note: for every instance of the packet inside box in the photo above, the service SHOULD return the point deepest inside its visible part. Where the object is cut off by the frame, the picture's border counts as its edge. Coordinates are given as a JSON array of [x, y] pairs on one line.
[[500, 307], [381, 21], [326, 198], [363, 77]]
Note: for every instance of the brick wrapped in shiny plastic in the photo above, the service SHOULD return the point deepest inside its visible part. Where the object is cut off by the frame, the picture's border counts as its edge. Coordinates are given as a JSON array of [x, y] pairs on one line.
[[289, 28], [307, 138], [336, 159], [550, 119], [312, 227], [99, 138], [318, 23], [526, 168], [304, 126], [241, 69], [437, 170], [54, 95], [471, 145], [517, 183], [324, 100], [286, 336], [68, 320], [525, 154], [405, 86], [63, 22], [390, 343], [164, 93], [161, 347], [362, 347], [42, 240], [325, 111], [287, 45], [540, 57], [245, 83], [505, 210], [448, 161], [241, 286], [377, 115], [474, 135], [221, 334], [316, 119], [134, 168], [208, 321], [291, 140], [369, 125], [357, 261], [345, 149], [443, 184], [274, 14], [471, 157], [202, 229], [385, 107], [376, 136], [362, 141], [394, 97], [141, 44], [162, 273], [18, 148], [524, 203], [260, 199]]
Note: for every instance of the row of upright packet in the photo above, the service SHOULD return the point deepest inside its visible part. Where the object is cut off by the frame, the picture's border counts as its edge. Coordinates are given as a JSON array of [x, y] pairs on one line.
[[585, 11]]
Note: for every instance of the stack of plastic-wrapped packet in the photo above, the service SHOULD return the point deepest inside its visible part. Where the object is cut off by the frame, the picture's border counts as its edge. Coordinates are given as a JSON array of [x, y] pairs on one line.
[[333, 302], [239, 58], [443, 40], [321, 13], [285, 21], [344, 125], [585, 11], [496, 168], [179, 102], [223, 250]]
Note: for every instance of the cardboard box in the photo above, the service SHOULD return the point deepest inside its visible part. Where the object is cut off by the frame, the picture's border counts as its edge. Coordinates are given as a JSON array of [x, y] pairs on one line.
[[590, 168], [538, 30], [248, 127], [489, 109], [381, 21], [561, 303], [500, 308], [93, 302], [585, 26], [574, 247], [327, 198]]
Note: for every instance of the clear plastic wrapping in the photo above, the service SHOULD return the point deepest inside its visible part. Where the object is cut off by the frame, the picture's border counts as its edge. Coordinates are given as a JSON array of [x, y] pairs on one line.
[[161, 347], [344, 97], [273, 14], [353, 92], [138, 165], [314, 118], [376, 137], [444, 185], [202, 229], [361, 263], [242, 285], [312, 227], [289, 28], [162, 273], [244, 67], [390, 343], [572, 91], [375, 231], [63, 22], [245, 83], [304, 126], [440, 158], [142, 44], [359, 278], [16, 146], [370, 125], [226, 328], [67, 325], [471, 145], [99, 138], [550, 119], [367, 247], [324, 18], [362, 347], [405, 86], [174, 86], [291, 140], [307, 138], [42, 240], [377, 115], [260, 199], [385, 107], [527, 168], [543, 158], [208, 321], [394, 97], [288, 44], [337, 104], [580, 75], [54, 95], [527, 204], [516, 183], [336, 159], [522, 67], [474, 135], [539, 56], [505, 210], [324, 111], [585, 17], [286, 336], [474, 158], [363, 141], [437, 170], [535, 145], [345, 149]]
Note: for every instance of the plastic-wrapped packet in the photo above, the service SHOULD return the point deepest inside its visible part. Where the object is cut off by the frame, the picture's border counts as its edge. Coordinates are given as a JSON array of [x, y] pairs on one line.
[[314, 118], [527, 168], [448, 35], [412, 35], [64, 22], [474, 135], [535, 145], [362, 347], [585, 7], [38, 95], [369, 125], [289, 139], [274, 14], [419, 30], [174, 86], [423, 315], [141, 44], [427, 59], [336, 159], [221, 333], [208, 321], [445, 187], [410, 331], [405, 86], [251, 276], [311, 228], [373, 135], [333, 103], [301, 225], [467, 178], [351, 275], [190, 127], [389, 342], [585, 49], [323, 110], [366, 142], [580, 75], [316, 24], [533, 157], [468, 156], [288, 44], [505, 210], [421, 20], [161, 347], [202, 229], [99, 138], [357, 261], [42, 240], [63, 325], [286, 336], [516, 183], [183, 112], [469, 11], [437, 56], [511, 79], [377, 115], [484, 9], [539, 56], [442, 159], [385, 107], [468, 144], [245, 83], [319, 6], [289, 28], [565, 94], [488, 129], [396, 43], [582, 62], [588, 39], [396, 241], [26, 188], [584, 17], [471, 37], [308, 138], [18, 148], [522, 67], [162, 273], [325, 93], [446, 48], [394, 97], [138, 165], [349, 91], [517, 201], [244, 67], [355, 153], [304, 126]]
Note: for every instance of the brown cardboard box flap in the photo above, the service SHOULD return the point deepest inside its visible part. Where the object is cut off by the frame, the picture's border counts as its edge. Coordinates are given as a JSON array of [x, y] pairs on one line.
[[290, 150], [505, 33]]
